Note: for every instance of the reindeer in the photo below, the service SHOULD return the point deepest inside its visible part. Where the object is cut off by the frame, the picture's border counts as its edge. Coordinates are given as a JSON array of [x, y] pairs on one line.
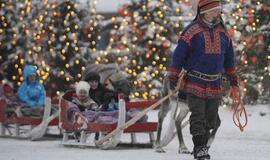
[[112, 77], [174, 103]]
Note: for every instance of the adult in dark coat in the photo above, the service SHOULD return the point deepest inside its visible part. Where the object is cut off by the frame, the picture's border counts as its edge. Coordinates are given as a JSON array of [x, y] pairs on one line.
[[98, 92]]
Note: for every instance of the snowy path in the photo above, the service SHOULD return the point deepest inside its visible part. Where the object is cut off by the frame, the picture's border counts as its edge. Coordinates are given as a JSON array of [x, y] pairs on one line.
[[230, 144]]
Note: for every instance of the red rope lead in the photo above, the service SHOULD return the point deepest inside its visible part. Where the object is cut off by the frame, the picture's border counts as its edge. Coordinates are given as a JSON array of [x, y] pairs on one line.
[[239, 109]]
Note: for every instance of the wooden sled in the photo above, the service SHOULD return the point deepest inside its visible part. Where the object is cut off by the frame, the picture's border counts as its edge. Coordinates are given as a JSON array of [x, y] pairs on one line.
[[104, 129], [19, 127]]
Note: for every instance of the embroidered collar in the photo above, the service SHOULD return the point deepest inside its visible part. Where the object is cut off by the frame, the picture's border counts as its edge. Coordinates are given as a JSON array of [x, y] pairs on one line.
[[204, 24]]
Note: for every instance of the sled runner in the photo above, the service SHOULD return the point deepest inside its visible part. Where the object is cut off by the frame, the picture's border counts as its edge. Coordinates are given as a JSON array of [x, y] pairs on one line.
[[21, 127], [69, 128]]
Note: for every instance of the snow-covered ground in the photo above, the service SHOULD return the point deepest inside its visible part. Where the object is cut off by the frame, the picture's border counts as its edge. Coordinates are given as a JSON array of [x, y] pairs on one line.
[[230, 144]]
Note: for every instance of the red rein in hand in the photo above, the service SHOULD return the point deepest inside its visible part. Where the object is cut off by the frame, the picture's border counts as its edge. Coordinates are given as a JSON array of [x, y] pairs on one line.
[[239, 109]]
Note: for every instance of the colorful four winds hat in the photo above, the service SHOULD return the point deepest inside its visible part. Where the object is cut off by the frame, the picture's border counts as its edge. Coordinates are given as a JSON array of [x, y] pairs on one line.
[[208, 5]]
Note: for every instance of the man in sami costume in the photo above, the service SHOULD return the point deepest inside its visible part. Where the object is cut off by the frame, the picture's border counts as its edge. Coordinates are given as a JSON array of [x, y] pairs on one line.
[[205, 50]]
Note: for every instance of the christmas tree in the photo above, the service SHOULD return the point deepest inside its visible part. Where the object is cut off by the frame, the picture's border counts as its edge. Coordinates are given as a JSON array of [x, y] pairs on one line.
[[71, 33], [142, 40], [58, 37], [248, 23], [16, 29]]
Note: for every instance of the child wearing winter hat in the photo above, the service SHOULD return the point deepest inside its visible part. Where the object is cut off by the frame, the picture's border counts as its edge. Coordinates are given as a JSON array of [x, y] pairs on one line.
[[82, 99], [32, 93]]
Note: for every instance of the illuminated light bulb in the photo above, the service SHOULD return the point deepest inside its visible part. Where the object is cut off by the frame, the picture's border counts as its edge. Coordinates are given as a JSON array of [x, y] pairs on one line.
[[58, 93], [145, 68], [83, 68], [137, 94], [22, 61], [19, 83], [76, 48], [79, 75], [261, 78], [67, 79], [119, 59], [13, 77], [154, 63], [77, 61], [135, 82], [67, 65]]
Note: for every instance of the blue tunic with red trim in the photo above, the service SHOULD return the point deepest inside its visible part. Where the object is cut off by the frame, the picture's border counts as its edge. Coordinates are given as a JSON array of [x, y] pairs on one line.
[[206, 50]]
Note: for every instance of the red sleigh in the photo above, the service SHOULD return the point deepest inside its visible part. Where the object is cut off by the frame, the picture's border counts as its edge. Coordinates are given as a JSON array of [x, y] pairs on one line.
[[104, 129], [14, 126]]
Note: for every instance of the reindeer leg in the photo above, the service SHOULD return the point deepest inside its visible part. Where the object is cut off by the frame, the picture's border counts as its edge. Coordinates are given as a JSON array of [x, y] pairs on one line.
[[183, 113], [157, 146], [164, 107]]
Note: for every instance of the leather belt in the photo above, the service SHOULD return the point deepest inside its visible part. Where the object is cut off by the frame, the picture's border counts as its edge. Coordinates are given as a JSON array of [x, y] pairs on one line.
[[203, 76]]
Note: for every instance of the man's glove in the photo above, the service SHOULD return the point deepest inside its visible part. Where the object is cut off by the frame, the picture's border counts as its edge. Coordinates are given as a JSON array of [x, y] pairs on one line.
[[233, 79], [236, 96]]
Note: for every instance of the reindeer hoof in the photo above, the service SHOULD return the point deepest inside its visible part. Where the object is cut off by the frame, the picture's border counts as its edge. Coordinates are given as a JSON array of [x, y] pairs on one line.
[[159, 150], [183, 151]]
